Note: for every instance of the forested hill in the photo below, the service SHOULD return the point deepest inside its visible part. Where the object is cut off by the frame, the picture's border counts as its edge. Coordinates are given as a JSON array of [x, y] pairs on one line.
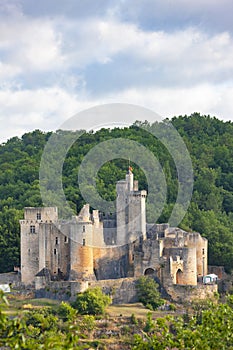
[[209, 141]]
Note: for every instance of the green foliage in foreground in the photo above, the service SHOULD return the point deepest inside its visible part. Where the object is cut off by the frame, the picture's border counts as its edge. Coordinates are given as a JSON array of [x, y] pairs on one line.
[[212, 330], [208, 328], [44, 329], [66, 312], [148, 294], [92, 302]]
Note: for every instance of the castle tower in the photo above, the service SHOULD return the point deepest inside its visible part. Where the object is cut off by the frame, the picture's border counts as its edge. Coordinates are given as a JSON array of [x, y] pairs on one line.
[[29, 239], [121, 214], [81, 246], [131, 213]]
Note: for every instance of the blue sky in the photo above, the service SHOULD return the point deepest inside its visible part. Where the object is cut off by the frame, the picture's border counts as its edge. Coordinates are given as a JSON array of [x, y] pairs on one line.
[[59, 57]]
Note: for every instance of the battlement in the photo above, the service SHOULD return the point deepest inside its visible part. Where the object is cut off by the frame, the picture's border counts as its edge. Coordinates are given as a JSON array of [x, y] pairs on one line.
[[98, 246], [49, 214]]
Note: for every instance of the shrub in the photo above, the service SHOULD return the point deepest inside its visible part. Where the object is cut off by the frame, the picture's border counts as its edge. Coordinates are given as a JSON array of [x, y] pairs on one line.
[[42, 319], [87, 324], [91, 302], [172, 307], [66, 312], [133, 319], [148, 294], [149, 323], [229, 300]]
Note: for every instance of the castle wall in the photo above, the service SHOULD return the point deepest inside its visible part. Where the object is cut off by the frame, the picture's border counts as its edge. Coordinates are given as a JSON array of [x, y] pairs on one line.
[[187, 293], [49, 214], [62, 290], [81, 250], [110, 231], [201, 245], [122, 290], [131, 211], [112, 262], [136, 215], [29, 250], [54, 248], [121, 208], [102, 247], [182, 265], [29, 242], [148, 257], [98, 236]]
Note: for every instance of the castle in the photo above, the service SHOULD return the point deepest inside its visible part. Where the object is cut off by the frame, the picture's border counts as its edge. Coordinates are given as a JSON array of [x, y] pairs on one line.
[[93, 246]]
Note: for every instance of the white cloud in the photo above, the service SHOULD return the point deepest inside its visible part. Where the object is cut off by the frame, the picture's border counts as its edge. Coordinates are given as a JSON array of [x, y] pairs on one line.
[[8, 71], [184, 54], [47, 109], [203, 98], [25, 110], [38, 45], [29, 45], [45, 63]]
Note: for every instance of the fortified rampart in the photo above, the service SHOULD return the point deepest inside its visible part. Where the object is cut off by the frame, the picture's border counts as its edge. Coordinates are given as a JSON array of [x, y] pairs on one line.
[[94, 247]]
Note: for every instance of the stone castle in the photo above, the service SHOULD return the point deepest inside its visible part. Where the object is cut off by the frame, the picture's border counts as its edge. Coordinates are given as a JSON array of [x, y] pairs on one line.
[[94, 247]]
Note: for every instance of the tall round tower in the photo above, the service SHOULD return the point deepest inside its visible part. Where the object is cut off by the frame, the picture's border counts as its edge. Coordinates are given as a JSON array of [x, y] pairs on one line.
[[81, 246]]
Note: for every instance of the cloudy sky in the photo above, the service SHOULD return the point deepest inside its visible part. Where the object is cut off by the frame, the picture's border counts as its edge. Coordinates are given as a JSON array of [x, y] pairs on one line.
[[59, 57]]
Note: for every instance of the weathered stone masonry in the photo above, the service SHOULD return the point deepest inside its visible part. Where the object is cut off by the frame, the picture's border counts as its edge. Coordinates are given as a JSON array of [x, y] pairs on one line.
[[94, 247]]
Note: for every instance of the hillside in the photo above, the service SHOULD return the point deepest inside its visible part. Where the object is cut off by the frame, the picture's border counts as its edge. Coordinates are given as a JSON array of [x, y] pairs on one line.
[[210, 144]]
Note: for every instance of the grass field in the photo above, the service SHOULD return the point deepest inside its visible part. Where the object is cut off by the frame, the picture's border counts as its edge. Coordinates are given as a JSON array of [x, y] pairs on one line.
[[19, 305], [126, 310], [114, 330]]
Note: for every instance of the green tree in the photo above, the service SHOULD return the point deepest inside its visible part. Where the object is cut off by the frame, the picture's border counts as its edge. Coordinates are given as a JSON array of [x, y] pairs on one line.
[[148, 294], [213, 330], [92, 302], [66, 312]]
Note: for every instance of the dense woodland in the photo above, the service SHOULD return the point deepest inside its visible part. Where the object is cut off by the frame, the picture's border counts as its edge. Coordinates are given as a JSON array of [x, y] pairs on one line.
[[208, 140]]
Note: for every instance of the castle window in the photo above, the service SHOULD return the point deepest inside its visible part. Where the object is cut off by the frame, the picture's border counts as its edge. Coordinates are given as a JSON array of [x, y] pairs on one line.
[[203, 251], [28, 250], [84, 241], [32, 229], [55, 251], [84, 228], [38, 216], [65, 239], [56, 240]]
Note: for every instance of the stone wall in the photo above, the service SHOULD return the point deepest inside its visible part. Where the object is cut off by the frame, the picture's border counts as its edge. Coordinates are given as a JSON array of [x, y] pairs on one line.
[[122, 290], [184, 293], [54, 247], [12, 278], [111, 262], [201, 245], [62, 290], [29, 243], [148, 256]]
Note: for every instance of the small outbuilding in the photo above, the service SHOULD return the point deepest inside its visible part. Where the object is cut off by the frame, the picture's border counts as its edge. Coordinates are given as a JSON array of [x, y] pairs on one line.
[[5, 288], [210, 279]]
